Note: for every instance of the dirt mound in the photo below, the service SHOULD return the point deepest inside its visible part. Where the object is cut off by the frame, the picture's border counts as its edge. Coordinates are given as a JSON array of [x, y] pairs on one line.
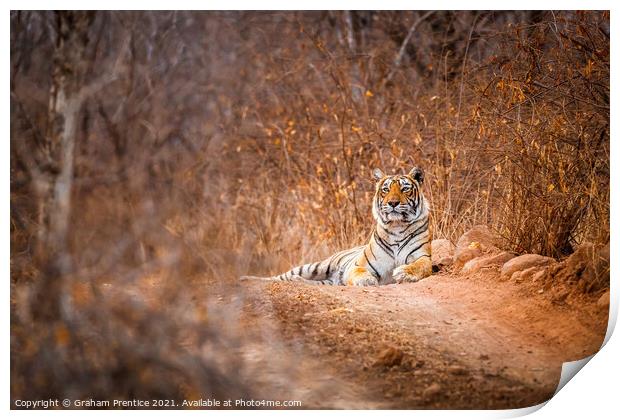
[[587, 269]]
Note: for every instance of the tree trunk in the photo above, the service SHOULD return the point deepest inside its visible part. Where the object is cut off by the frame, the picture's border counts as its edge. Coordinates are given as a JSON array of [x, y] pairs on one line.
[[54, 189]]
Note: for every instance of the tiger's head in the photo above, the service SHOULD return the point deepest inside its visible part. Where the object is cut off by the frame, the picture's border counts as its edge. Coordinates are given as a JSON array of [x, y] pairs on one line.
[[398, 198]]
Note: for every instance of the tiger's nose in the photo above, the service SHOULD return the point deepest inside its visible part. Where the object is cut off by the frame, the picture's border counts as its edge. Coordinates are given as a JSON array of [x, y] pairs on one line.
[[394, 203]]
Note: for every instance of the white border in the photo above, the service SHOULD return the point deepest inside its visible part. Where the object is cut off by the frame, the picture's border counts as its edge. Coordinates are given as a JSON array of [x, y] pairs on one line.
[[592, 394], [314, 5]]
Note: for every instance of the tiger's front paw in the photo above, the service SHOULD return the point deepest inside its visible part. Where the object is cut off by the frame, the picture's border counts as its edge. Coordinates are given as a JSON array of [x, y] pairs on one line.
[[404, 274], [365, 279]]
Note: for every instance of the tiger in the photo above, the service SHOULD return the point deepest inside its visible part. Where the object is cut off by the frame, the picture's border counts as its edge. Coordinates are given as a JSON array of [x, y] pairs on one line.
[[399, 249]]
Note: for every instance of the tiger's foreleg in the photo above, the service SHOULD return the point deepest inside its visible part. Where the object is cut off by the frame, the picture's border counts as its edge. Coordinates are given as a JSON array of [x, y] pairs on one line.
[[363, 272], [417, 270], [360, 276]]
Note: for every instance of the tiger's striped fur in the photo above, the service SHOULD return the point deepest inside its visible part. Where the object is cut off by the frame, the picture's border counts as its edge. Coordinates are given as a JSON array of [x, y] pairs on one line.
[[399, 248]]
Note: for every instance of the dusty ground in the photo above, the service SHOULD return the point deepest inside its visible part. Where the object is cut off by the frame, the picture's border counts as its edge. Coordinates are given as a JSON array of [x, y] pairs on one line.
[[445, 342]]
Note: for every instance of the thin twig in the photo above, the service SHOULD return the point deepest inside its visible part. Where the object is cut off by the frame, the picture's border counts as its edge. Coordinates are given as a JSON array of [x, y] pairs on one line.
[[458, 112], [403, 47]]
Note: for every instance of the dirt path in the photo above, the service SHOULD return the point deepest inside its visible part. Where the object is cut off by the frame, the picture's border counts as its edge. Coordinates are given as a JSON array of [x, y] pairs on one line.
[[445, 342]]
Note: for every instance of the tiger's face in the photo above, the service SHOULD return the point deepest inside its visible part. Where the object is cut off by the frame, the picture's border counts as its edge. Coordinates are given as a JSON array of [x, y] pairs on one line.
[[398, 198]]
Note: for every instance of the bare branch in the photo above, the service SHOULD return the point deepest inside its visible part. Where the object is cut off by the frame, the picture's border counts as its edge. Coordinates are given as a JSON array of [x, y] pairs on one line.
[[403, 47]]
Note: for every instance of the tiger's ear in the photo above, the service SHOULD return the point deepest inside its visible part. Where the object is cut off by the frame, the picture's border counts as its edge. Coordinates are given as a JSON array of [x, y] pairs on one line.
[[377, 174], [417, 174]]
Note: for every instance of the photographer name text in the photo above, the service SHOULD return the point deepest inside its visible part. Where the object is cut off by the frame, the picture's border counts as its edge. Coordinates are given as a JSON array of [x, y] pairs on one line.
[[154, 403]]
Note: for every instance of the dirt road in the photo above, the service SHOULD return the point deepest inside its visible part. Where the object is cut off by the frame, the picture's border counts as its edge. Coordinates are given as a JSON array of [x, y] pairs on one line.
[[444, 342]]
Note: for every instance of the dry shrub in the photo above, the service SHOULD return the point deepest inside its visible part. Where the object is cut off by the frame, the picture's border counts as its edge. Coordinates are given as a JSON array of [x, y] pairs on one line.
[[549, 114], [514, 134]]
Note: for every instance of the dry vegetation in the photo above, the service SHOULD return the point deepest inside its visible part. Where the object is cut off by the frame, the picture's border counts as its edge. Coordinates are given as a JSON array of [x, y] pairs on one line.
[[152, 151]]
